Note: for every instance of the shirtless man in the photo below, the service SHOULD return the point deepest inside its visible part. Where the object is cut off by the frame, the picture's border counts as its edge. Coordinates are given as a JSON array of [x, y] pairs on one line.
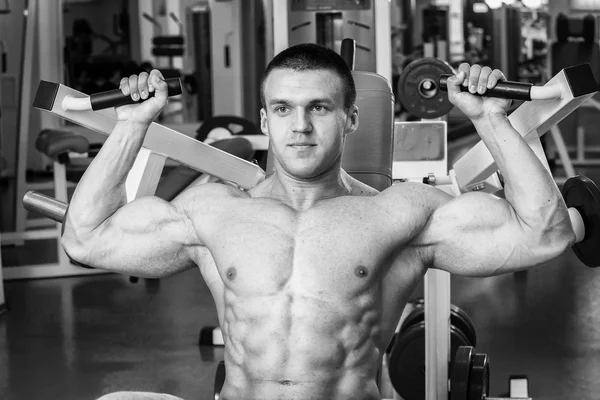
[[312, 269]]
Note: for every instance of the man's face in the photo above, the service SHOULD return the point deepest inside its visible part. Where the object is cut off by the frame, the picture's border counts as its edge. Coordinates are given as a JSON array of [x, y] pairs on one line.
[[305, 120]]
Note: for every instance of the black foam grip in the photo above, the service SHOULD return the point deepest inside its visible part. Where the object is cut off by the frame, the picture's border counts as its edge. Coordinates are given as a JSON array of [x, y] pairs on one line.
[[116, 98], [348, 51], [504, 90]]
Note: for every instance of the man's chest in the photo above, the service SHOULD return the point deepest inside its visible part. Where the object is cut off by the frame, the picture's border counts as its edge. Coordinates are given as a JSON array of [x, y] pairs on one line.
[[334, 247]]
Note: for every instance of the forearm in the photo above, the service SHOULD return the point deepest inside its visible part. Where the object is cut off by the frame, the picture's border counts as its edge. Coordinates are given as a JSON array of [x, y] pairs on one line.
[[529, 187], [101, 190]]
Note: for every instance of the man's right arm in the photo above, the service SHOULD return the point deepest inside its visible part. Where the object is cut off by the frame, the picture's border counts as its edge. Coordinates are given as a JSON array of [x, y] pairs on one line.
[[145, 237]]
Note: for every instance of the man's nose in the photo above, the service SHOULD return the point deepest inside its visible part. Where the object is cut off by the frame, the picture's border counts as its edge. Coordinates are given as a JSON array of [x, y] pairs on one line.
[[302, 122]]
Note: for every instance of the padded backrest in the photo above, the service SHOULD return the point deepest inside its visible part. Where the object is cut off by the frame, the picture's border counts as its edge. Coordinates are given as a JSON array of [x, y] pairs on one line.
[[368, 153]]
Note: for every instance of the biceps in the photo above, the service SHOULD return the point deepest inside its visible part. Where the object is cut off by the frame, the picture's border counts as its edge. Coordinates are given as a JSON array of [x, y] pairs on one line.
[[148, 230], [477, 235]]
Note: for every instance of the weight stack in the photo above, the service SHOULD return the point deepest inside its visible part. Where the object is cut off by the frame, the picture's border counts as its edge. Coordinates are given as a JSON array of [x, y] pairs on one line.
[[406, 362]]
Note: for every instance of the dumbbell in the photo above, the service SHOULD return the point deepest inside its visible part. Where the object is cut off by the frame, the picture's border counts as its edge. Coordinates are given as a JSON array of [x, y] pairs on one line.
[[471, 378]]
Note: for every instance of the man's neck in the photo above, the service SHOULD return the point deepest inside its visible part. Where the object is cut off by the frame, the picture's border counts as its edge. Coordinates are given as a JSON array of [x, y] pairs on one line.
[[303, 194]]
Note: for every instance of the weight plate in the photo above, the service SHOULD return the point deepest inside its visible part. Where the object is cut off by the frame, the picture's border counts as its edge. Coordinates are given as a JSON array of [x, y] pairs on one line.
[[582, 193], [458, 318], [461, 320], [418, 88], [479, 378], [459, 384], [406, 363]]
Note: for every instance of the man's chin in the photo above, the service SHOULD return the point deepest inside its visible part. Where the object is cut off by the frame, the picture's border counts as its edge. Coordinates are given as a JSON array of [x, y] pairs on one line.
[[304, 173]]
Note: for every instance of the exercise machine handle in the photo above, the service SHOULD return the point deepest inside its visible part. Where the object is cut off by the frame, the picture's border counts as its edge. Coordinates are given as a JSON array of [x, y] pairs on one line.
[[116, 98], [504, 90], [112, 98]]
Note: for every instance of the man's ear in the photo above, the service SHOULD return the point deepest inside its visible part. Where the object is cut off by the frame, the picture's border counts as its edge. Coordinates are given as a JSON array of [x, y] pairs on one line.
[[352, 121], [264, 127]]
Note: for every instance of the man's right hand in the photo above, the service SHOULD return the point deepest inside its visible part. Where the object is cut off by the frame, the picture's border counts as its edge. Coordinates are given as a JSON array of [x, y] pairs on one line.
[[139, 87]]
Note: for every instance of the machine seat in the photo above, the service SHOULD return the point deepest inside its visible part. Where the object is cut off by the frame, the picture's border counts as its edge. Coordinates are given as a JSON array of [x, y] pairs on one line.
[[53, 143]]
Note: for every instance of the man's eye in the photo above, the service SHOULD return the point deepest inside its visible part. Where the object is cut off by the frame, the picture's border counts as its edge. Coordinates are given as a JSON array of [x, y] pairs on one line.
[[319, 108], [280, 109]]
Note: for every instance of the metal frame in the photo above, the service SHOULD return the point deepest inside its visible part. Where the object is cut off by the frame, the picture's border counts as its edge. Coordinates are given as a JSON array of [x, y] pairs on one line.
[[142, 180], [166, 142], [24, 115], [531, 120]]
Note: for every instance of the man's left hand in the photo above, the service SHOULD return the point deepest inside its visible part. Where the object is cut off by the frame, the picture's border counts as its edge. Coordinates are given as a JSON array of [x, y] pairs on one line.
[[478, 79]]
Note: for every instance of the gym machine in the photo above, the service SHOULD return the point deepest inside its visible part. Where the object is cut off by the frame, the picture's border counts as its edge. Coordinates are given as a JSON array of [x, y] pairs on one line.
[[160, 143], [475, 171], [42, 31], [327, 22], [576, 43]]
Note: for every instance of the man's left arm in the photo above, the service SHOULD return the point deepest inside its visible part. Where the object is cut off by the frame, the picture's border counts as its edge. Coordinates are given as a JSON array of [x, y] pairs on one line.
[[478, 234]]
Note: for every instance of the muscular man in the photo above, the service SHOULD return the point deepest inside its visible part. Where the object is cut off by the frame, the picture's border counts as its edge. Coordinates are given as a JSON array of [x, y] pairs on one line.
[[312, 268]]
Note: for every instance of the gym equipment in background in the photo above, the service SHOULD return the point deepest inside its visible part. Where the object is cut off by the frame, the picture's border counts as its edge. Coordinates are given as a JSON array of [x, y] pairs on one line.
[[576, 44], [406, 360], [328, 22]]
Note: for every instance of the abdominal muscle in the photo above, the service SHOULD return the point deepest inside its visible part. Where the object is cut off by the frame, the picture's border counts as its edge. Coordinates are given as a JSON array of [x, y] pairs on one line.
[[303, 346]]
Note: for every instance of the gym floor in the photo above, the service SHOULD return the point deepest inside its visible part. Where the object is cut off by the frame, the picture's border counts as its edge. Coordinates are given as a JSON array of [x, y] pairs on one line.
[[81, 337]]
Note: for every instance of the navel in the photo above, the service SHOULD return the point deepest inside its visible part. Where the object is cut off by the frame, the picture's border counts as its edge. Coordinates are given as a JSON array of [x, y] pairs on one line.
[[361, 271], [231, 273]]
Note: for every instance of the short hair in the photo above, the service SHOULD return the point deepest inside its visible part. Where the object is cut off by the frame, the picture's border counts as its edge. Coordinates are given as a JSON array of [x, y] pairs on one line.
[[310, 57]]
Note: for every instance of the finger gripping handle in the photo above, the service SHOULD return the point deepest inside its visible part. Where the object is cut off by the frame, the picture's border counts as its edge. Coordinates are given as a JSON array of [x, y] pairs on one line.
[[503, 90], [116, 98]]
